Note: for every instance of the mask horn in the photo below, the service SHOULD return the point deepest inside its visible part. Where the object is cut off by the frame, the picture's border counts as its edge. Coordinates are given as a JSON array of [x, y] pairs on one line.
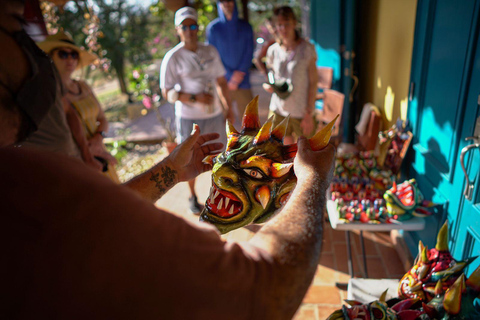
[[250, 120], [230, 129], [474, 280], [453, 296], [279, 131], [442, 238], [321, 139], [264, 132]]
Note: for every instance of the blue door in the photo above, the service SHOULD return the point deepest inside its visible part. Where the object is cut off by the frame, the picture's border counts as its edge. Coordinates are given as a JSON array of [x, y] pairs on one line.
[[443, 109], [332, 27]]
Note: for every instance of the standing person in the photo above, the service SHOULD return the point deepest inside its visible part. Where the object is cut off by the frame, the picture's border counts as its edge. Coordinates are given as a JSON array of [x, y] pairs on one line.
[[233, 38], [77, 246], [80, 102], [188, 75], [293, 60]]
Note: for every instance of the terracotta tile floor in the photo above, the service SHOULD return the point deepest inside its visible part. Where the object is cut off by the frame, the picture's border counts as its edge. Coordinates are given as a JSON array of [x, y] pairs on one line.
[[324, 296], [328, 289]]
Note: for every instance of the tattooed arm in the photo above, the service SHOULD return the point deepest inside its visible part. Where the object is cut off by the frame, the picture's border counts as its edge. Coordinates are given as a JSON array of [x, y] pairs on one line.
[[183, 164]]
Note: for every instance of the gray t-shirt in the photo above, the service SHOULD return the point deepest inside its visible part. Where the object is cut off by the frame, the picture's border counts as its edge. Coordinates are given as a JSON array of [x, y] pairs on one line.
[[291, 66], [53, 133]]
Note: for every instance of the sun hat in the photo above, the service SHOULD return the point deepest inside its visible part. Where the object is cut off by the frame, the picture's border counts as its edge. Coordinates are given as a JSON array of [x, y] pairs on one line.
[[185, 13], [64, 40]]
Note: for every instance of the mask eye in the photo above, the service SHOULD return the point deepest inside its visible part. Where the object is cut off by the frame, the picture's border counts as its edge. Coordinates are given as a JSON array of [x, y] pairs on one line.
[[254, 173]]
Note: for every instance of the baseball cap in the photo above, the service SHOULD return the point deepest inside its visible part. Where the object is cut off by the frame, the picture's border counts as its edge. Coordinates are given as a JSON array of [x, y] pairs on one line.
[[185, 13]]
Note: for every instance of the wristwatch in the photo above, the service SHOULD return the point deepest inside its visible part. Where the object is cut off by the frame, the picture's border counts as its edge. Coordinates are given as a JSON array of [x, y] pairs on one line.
[[193, 98], [102, 133]]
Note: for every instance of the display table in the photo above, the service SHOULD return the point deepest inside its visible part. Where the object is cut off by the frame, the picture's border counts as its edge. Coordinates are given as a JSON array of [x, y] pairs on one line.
[[368, 290], [413, 224]]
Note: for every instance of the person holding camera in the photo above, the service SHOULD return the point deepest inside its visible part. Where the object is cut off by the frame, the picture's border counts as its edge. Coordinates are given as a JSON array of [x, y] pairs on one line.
[[84, 114]]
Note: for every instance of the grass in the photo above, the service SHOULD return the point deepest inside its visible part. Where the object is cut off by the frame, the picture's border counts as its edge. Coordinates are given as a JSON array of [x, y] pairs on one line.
[[106, 96]]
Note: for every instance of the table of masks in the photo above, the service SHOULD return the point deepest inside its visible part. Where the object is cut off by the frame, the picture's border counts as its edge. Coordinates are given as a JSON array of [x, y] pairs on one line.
[[413, 224]]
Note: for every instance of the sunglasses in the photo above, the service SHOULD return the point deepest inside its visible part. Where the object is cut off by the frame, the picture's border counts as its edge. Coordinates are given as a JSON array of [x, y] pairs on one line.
[[192, 27], [64, 54]]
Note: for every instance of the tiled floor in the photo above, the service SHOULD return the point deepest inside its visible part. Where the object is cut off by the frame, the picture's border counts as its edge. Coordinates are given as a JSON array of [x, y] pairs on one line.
[[328, 289]]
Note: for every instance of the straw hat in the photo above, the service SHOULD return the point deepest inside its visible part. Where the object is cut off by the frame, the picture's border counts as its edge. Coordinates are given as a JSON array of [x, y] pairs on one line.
[[64, 40]]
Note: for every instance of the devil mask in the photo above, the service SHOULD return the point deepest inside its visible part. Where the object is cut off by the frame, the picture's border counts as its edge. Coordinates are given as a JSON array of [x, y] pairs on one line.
[[253, 177]]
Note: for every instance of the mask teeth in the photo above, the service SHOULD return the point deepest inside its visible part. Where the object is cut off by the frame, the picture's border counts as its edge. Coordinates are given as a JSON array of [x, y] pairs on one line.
[[251, 120], [321, 139], [279, 131], [442, 238]]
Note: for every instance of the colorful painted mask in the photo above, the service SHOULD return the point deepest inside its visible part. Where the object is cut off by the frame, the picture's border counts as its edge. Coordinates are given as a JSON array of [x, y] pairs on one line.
[[253, 177], [376, 310], [432, 267], [434, 289], [406, 200]]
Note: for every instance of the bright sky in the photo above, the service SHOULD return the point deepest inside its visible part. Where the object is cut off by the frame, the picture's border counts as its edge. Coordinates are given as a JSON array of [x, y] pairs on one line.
[[143, 3]]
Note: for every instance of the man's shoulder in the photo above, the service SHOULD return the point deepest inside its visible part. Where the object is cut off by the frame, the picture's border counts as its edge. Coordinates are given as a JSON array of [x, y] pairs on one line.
[[207, 47], [174, 51], [216, 23], [244, 24]]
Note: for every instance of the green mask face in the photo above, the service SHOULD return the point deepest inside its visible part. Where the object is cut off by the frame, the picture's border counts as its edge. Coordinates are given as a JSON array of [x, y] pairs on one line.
[[253, 177]]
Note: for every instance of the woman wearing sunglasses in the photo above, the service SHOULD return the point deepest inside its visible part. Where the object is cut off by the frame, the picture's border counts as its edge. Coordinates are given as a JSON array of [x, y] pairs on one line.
[[80, 102]]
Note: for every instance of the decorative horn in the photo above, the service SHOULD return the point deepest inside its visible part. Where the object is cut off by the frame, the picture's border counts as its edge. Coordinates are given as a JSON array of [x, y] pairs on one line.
[[474, 280], [230, 129], [453, 297], [321, 139], [250, 120], [442, 238], [280, 130], [264, 132]]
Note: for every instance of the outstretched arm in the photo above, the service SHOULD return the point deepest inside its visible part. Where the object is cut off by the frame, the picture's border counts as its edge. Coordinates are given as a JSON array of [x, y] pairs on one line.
[[293, 237], [183, 164], [79, 136]]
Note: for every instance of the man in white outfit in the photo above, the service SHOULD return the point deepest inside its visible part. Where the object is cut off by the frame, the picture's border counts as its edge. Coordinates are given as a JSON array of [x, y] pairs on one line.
[[192, 77]]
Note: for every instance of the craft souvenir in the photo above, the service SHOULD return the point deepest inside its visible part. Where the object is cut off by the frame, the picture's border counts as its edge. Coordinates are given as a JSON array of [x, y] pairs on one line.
[[432, 267], [253, 176], [437, 290], [406, 200]]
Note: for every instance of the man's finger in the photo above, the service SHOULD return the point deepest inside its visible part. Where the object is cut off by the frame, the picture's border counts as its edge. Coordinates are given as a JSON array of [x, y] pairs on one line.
[[207, 137], [211, 147]]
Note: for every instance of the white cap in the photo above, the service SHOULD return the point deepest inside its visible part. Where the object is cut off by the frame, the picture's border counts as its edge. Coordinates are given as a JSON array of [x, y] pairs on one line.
[[185, 13]]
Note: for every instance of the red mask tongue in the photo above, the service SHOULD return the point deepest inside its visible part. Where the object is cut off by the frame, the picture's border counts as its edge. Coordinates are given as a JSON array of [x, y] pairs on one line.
[[225, 204]]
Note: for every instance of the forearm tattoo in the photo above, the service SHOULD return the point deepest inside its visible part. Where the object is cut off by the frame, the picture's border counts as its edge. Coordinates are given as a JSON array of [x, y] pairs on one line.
[[165, 180]]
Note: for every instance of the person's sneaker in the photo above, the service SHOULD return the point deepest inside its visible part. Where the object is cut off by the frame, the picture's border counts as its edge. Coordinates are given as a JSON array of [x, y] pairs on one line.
[[194, 206]]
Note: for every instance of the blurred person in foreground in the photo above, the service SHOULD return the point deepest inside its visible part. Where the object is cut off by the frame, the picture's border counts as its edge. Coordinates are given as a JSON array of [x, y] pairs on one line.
[[84, 114], [96, 250], [233, 38], [292, 60], [192, 77]]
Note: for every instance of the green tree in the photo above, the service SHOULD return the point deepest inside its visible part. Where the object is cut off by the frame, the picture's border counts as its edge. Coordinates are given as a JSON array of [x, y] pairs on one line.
[[125, 32]]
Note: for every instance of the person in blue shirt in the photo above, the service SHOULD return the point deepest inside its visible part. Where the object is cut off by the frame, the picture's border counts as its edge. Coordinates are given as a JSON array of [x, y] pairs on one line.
[[233, 38]]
